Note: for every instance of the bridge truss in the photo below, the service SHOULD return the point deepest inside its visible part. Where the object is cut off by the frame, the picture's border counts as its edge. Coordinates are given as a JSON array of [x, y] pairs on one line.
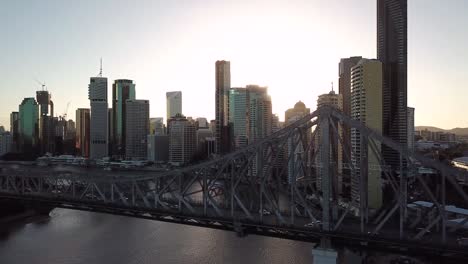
[[292, 184]]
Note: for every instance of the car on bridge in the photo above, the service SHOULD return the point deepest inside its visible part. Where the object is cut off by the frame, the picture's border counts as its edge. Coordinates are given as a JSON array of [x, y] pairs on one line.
[[315, 223]]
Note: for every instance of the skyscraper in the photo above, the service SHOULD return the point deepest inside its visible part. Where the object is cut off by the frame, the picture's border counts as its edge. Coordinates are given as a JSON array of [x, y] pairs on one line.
[[97, 94], [392, 52], [259, 121], [46, 122], [366, 107], [223, 84], [82, 131], [345, 91], [137, 129], [14, 130], [44, 102], [173, 104], [259, 113], [122, 90], [28, 125], [238, 116], [182, 140], [410, 129], [336, 154]]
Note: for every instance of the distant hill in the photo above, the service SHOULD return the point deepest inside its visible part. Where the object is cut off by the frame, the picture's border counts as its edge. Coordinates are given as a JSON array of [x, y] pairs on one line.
[[430, 128], [457, 131]]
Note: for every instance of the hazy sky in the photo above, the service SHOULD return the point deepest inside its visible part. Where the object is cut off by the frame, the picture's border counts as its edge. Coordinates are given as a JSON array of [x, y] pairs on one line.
[[292, 46]]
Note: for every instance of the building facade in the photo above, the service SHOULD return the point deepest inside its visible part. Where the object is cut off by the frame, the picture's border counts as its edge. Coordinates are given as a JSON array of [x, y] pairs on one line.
[[335, 186], [238, 116], [344, 83], [122, 90], [158, 148], [259, 114], [392, 52], [83, 131], [411, 129], [182, 140], [366, 107], [97, 95], [6, 142], [202, 122], [46, 122], [29, 125], [223, 84], [157, 126], [14, 130], [173, 104], [137, 129], [259, 121]]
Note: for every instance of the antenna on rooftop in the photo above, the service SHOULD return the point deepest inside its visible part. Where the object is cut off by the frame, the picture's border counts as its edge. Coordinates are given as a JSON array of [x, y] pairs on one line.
[[100, 69]]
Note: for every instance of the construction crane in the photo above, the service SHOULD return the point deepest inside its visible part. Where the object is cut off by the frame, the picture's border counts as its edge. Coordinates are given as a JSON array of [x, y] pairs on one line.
[[64, 116], [43, 85]]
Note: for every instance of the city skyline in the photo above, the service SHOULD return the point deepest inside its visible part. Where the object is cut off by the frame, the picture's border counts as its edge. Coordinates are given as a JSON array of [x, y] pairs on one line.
[[351, 176], [66, 70]]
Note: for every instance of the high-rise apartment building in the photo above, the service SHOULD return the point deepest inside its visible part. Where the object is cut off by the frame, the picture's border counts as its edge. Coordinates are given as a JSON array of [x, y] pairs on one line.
[[137, 129], [392, 52], [28, 125], [344, 84], [97, 94], [173, 104], [238, 116], [223, 84], [366, 107], [259, 121], [182, 140], [83, 131], [335, 184], [411, 129], [259, 113], [122, 90]]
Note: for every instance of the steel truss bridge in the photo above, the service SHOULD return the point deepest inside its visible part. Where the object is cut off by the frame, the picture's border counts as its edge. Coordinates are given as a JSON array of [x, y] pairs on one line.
[[281, 186]]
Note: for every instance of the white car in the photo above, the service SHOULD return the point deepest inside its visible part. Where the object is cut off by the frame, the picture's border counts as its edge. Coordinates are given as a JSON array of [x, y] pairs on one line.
[[264, 212], [313, 223]]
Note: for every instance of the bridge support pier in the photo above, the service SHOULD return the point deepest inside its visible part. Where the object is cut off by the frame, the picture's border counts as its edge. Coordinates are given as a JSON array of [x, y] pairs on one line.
[[324, 254]]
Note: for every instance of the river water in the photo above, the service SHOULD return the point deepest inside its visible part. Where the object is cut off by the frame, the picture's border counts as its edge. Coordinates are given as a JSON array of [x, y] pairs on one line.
[[76, 237]]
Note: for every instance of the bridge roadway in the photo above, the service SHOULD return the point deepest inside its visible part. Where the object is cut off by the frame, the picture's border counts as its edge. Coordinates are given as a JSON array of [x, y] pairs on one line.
[[279, 223]]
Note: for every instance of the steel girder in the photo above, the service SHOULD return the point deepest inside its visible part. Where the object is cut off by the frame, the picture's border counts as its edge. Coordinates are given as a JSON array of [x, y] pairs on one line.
[[271, 182]]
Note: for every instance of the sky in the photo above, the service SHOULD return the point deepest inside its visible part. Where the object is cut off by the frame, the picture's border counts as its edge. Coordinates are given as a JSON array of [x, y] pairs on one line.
[[291, 46]]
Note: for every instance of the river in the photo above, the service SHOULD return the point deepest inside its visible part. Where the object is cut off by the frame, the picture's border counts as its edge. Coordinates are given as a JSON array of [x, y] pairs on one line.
[[76, 237]]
